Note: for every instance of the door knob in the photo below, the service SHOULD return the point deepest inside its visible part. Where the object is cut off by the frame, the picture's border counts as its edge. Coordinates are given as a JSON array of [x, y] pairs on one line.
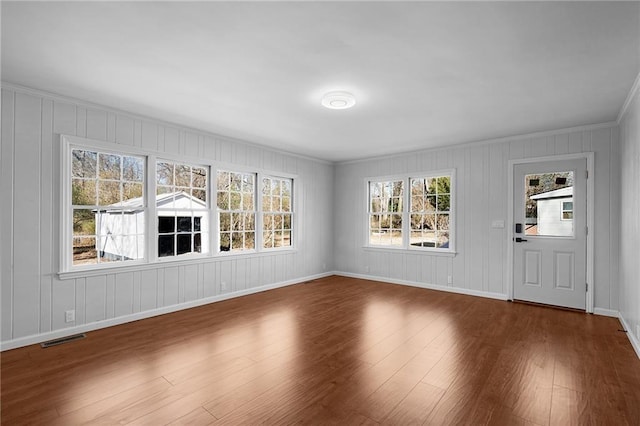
[[520, 240]]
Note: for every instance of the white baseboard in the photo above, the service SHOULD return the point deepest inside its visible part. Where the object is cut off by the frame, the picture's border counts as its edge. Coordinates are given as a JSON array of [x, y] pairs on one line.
[[632, 337], [43, 337], [458, 290], [606, 312]]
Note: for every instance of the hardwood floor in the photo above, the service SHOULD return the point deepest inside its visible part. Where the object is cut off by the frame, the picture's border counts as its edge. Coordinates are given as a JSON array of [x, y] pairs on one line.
[[335, 351]]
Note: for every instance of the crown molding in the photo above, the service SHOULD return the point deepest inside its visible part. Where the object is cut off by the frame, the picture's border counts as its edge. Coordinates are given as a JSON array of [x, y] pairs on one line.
[[632, 93]]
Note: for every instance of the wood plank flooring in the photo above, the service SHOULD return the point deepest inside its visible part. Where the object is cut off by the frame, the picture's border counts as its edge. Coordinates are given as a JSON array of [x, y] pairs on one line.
[[335, 351]]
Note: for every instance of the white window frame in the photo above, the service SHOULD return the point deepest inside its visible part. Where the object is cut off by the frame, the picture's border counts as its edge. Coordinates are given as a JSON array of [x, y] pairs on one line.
[[406, 212], [563, 210], [151, 259], [232, 252], [153, 207], [293, 231]]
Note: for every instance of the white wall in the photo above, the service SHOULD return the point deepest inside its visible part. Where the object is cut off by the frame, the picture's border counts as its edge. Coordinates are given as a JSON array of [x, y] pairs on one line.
[[482, 179], [34, 299], [629, 217]]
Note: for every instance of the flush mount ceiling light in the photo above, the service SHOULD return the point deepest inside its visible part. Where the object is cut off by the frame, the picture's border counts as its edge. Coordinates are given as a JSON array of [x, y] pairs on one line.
[[338, 100]]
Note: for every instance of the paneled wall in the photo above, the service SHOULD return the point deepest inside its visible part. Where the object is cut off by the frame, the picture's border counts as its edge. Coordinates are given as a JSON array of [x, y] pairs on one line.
[[34, 299], [629, 217], [479, 267]]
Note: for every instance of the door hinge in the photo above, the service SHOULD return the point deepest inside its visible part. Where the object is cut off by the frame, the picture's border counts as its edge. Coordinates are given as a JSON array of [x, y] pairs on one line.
[[586, 174], [586, 289], [586, 230]]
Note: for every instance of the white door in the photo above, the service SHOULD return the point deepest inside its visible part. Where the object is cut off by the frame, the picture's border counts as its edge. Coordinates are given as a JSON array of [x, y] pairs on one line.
[[550, 242]]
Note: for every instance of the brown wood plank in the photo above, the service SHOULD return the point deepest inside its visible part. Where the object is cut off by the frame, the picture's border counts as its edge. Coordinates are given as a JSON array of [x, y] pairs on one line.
[[334, 351]]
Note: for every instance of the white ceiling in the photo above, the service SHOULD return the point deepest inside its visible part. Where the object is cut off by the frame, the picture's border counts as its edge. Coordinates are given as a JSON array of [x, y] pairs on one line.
[[424, 74]]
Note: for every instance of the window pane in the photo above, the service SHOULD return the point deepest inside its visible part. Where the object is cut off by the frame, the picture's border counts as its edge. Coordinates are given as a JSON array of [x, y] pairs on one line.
[[544, 204], [236, 201], [184, 243], [225, 222], [131, 191], [236, 240], [166, 245], [223, 200], [225, 241], [199, 177], [164, 173], [443, 203], [266, 203], [196, 223], [166, 224], [84, 163], [183, 175], [133, 168], [249, 222], [84, 251], [109, 166], [83, 192], [84, 222], [223, 181], [197, 243], [110, 248], [108, 192], [249, 240], [247, 201], [236, 182], [184, 224], [199, 194]]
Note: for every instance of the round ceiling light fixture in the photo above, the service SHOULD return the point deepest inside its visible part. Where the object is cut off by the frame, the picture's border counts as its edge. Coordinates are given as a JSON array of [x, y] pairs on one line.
[[338, 100]]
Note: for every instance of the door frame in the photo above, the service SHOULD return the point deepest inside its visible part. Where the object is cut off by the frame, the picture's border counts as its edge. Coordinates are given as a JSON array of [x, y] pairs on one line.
[[589, 156]]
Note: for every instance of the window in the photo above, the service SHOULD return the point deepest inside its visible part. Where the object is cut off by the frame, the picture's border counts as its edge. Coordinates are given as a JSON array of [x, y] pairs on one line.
[[385, 213], [426, 223], [236, 211], [277, 212], [181, 206], [123, 209], [430, 209], [567, 210], [107, 207]]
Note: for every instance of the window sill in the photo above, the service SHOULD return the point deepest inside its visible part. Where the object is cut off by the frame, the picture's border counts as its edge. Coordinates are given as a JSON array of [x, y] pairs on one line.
[[423, 251], [168, 263]]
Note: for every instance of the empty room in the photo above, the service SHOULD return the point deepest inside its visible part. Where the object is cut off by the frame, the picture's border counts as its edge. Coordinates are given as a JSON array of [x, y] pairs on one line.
[[242, 213]]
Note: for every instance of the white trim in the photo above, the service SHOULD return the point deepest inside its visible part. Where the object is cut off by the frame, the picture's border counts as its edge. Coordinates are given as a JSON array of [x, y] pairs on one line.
[[43, 337], [589, 156], [406, 212], [475, 144], [457, 290], [86, 104], [635, 88], [151, 260], [606, 312], [635, 342]]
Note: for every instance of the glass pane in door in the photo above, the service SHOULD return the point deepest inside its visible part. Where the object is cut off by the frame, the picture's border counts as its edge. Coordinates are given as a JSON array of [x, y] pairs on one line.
[[549, 204]]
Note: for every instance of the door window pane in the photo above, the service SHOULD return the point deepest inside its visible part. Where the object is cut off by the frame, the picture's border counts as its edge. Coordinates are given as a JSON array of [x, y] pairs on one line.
[[549, 204]]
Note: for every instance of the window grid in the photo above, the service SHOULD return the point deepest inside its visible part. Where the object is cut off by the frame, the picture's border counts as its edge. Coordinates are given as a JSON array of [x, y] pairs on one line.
[[236, 210], [277, 213], [181, 208], [107, 207], [567, 210], [385, 213], [411, 212], [430, 211]]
